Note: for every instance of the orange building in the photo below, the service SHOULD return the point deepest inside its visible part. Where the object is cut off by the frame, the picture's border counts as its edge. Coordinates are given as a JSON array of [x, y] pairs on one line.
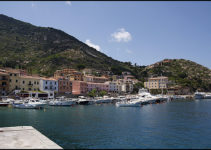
[[71, 74], [79, 87]]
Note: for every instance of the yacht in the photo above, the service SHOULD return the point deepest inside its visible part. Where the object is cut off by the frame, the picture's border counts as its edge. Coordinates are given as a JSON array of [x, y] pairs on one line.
[[61, 101], [29, 104], [131, 103], [84, 101], [104, 99], [207, 96], [199, 95], [148, 98]]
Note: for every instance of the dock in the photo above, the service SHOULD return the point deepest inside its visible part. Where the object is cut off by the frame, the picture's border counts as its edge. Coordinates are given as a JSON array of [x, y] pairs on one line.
[[24, 137]]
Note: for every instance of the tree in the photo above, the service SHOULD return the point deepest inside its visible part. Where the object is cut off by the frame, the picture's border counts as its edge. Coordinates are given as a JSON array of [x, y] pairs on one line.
[[102, 93], [80, 66], [137, 86], [93, 93]]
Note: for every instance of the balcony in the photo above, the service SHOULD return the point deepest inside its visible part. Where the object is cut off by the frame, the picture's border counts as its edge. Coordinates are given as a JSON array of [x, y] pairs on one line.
[[30, 85]]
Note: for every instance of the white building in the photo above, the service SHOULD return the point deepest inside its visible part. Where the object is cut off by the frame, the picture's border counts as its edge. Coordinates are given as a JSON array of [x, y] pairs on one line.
[[49, 85]]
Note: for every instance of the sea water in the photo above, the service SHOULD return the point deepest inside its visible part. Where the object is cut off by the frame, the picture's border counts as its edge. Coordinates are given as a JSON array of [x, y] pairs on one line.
[[175, 124]]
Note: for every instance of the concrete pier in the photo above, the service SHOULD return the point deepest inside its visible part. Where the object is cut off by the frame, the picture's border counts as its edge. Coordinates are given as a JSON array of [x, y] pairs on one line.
[[24, 137]]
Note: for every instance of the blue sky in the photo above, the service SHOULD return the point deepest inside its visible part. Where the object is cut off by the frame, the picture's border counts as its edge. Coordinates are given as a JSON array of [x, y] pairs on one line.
[[139, 32]]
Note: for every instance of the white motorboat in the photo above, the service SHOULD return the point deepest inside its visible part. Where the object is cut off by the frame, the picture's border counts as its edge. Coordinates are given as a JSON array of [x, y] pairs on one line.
[[62, 102], [84, 101], [148, 98], [131, 103], [104, 99], [207, 96], [199, 95], [30, 104]]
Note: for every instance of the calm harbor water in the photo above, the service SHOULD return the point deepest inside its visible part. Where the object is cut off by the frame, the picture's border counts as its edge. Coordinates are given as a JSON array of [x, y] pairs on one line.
[[176, 124]]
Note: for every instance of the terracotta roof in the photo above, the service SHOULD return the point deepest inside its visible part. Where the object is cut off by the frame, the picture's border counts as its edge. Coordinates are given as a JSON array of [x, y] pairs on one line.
[[25, 76], [158, 78], [3, 73]]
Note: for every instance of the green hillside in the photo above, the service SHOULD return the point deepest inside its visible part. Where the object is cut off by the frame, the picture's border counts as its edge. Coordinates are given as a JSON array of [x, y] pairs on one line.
[[43, 49], [181, 72]]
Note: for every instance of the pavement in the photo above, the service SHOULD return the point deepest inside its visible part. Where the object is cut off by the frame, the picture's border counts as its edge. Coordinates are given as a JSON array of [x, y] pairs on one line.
[[24, 137]]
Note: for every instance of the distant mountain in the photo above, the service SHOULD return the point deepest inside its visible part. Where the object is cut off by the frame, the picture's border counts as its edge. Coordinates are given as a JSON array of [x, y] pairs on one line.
[[182, 72], [44, 49]]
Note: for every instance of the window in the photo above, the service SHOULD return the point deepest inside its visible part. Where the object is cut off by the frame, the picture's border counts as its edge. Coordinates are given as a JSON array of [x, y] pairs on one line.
[[46, 82], [34, 89], [14, 74], [23, 82], [46, 87], [29, 89], [10, 80], [23, 89], [55, 83], [34, 82], [37, 82], [16, 87], [10, 74], [16, 81]]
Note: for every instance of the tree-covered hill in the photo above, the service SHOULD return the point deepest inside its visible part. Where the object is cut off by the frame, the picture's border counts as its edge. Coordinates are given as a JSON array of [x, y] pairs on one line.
[[181, 72], [44, 49]]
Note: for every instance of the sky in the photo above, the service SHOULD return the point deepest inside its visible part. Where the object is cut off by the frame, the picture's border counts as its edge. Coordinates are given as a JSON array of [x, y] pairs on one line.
[[137, 31]]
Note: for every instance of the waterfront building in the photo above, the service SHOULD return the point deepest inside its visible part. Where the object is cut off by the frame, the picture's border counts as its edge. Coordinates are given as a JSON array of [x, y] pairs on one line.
[[4, 83], [29, 83], [49, 85], [79, 87], [71, 74], [14, 81], [156, 83], [97, 86], [95, 79], [113, 87], [64, 86]]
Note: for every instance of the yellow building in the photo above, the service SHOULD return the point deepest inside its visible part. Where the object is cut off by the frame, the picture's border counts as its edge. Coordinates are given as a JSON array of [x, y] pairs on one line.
[[156, 83], [14, 82], [29, 83]]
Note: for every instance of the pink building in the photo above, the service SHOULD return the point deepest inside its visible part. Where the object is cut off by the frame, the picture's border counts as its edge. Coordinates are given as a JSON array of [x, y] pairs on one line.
[[97, 86], [79, 87]]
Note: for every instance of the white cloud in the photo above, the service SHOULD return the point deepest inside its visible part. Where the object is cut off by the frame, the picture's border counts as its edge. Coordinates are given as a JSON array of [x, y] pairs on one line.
[[129, 51], [68, 3], [32, 4], [88, 42], [121, 36]]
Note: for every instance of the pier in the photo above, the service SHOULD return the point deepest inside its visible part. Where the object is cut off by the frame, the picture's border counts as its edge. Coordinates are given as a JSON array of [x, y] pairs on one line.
[[24, 137]]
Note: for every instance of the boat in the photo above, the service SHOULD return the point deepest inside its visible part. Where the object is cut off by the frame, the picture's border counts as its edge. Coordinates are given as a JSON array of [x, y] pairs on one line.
[[199, 95], [61, 101], [207, 96], [132, 103], [3, 104], [147, 97], [104, 99], [30, 104], [84, 101]]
